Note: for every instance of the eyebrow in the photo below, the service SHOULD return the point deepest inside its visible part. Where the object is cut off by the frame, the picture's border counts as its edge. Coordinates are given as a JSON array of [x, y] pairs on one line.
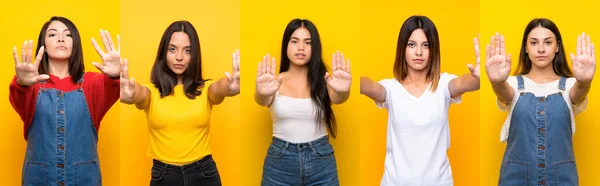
[[299, 38], [176, 46], [415, 41], [52, 29], [543, 39]]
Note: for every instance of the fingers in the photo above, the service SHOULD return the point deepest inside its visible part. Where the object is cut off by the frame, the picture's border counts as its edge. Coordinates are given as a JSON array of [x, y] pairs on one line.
[[471, 68], [118, 44], [110, 41], [487, 51], [42, 77], [588, 46], [509, 60], [125, 69], [132, 83], [236, 61], [497, 44], [24, 52], [98, 66], [339, 60], [265, 62], [105, 41], [39, 56], [342, 62], [279, 78], [593, 52], [333, 62], [579, 45], [476, 45], [492, 46], [15, 56], [502, 46], [97, 47], [228, 76], [348, 67], [327, 76], [273, 64], [259, 69]]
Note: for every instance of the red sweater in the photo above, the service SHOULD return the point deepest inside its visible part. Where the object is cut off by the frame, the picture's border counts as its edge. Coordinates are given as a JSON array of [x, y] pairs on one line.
[[100, 91]]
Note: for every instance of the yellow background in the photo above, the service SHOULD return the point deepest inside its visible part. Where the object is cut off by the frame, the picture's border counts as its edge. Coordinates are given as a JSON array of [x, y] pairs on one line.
[[262, 29], [510, 18], [23, 20], [380, 24], [217, 24]]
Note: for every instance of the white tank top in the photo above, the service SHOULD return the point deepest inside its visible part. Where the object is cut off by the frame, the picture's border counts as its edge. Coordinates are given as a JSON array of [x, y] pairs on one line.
[[294, 119]]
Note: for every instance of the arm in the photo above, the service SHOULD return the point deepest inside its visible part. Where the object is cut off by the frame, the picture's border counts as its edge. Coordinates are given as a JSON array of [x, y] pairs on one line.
[[131, 92], [227, 86], [372, 89], [467, 82], [267, 83], [497, 66], [338, 83], [584, 67]]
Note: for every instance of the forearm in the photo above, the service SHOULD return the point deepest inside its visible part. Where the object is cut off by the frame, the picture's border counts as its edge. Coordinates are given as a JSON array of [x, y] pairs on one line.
[[580, 91], [372, 89]]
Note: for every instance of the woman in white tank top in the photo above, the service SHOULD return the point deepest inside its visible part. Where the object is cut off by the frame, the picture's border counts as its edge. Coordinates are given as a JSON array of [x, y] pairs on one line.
[[300, 99]]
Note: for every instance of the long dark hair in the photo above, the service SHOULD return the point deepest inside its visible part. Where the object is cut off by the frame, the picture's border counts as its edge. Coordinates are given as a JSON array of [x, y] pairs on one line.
[[164, 78], [316, 72], [401, 65], [76, 68], [559, 63]]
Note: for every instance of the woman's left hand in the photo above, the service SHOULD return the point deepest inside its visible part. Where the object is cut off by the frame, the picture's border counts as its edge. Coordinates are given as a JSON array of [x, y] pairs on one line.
[[340, 78], [111, 60], [584, 62]]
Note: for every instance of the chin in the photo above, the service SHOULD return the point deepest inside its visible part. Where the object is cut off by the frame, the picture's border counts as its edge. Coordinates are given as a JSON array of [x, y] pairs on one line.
[[300, 63]]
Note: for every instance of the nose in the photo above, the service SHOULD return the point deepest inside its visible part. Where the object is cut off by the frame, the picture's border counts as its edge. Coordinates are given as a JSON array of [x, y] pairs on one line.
[[61, 38], [419, 51], [179, 56], [541, 49], [301, 47]]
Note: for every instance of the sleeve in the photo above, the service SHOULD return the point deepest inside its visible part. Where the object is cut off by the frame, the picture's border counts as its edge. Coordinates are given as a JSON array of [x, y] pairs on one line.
[[101, 93], [512, 81], [23, 101], [387, 85], [444, 83]]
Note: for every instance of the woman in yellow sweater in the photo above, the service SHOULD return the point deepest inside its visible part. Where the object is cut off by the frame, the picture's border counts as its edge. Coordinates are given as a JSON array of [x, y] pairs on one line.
[[178, 104]]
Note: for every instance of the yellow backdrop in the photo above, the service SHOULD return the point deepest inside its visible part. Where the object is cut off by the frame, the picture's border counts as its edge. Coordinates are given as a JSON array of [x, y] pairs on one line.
[[510, 18], [217, 24], [262, 29], [22, 20], [380, 24]]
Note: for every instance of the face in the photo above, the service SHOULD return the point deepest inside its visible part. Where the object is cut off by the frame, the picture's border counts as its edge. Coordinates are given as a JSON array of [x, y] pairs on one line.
[[417, 50], [178, 52], [541, 46], [299, 47], [58, 41]]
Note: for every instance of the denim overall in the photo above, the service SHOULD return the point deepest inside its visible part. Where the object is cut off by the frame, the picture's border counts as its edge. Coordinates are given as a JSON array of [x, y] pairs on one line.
[[61, 141], [539, 149]]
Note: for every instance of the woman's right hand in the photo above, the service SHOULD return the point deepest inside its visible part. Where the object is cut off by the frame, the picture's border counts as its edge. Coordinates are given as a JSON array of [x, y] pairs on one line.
[[27, 73], [267, 83], [127, 85], [498, 63]]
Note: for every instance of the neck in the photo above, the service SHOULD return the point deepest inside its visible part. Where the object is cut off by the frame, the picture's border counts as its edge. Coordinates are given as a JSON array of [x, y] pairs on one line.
[[416, 76], [179, 80], [297, 70], [542, 74], [59, 68]]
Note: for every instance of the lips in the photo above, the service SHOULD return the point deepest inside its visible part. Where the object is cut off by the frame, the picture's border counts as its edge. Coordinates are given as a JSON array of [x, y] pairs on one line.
[[178, 66], [418, 60], [540, 57], [61, 48], [300, 56]]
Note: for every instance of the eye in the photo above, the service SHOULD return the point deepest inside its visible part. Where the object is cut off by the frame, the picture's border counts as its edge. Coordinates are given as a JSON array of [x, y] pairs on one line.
[[51, 35], [426, 45], [69, 35], [533, 42], [188, 51], [548, 42], [294, 41], [171, 49], [411, 45], [308, 42]]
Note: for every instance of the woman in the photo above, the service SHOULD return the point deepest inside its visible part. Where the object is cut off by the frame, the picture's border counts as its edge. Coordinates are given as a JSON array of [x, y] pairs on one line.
[[300, 99], [62, 106], [417, 100], [542, 99], [178, 104]]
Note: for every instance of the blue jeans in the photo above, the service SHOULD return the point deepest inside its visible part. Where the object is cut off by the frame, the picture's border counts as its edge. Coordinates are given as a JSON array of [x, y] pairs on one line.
[[202, 172], [299, 164]]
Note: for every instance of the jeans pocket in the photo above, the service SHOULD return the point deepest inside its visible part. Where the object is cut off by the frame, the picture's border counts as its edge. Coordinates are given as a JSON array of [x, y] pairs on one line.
[[275, 151], [88, 173], [566, 173], [35, 173], [514, 173], [157, 173], [324, 151], [209, 170]]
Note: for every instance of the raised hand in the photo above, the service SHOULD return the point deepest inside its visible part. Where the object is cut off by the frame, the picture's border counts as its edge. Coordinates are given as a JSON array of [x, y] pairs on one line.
[[111, 60], [498, 63], [267, 83], [127, 85], [584, 62], [233, 80], [340, 78], [27, 73], [475, 69]]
